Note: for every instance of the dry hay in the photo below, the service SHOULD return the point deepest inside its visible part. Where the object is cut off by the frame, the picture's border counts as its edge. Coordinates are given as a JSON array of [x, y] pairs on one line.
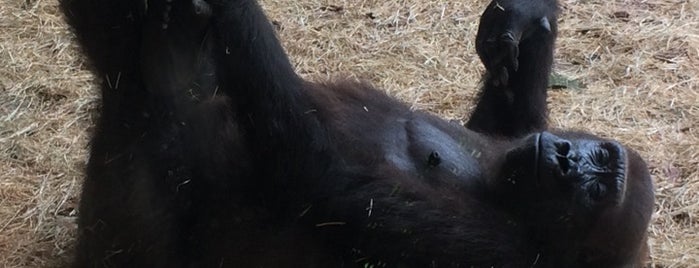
[[638, 58]]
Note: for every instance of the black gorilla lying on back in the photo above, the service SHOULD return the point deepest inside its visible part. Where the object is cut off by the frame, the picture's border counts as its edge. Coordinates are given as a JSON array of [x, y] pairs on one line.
[[212, 152]]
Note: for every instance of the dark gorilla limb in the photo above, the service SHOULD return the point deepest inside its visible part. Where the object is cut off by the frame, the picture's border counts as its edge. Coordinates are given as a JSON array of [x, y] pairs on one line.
[[280, 126], [171, 181], [160, 127], [515, 42]]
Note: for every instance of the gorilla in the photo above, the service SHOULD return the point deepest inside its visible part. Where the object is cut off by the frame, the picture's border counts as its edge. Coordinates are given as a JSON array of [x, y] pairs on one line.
[[210, 151]]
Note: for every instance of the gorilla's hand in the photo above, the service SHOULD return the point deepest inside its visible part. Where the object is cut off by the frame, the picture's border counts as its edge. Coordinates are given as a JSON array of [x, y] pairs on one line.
[[504, 25]]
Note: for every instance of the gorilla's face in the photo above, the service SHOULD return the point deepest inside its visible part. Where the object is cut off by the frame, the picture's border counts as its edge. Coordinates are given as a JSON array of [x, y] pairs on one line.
[[569, 171], [593, 168]]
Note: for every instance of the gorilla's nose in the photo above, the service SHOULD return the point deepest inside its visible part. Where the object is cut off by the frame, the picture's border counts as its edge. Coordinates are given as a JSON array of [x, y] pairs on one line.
[[562, 153], [558, 151]]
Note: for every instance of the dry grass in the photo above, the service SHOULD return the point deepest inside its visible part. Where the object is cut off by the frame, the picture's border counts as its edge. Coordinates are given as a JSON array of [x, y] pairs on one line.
[[638, 58]]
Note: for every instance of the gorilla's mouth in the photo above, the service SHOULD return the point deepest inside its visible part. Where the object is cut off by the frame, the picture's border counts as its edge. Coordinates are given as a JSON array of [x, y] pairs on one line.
[[537, 155]]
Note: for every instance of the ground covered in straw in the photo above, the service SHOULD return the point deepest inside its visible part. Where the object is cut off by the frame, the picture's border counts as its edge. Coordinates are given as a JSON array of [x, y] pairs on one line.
[[636, 63]]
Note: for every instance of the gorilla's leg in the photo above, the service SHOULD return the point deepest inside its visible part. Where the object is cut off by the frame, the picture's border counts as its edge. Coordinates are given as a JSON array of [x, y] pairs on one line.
[[175, 51], [515, 41], [109, 33], [135, 197], [279, 122]]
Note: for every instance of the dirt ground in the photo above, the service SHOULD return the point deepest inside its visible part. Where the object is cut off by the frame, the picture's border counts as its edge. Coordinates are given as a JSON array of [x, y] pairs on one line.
[[636, 63]]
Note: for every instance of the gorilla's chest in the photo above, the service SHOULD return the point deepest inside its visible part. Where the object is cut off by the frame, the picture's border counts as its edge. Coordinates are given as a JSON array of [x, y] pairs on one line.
[[413, 147], [443, 152]]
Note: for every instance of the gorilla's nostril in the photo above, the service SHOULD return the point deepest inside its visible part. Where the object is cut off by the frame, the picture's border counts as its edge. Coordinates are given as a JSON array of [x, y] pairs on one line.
[[563, 163], [563, 155], [562, 148]]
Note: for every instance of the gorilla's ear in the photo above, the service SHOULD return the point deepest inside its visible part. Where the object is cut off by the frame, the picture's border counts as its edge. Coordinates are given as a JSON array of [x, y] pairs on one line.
[[620, 233]]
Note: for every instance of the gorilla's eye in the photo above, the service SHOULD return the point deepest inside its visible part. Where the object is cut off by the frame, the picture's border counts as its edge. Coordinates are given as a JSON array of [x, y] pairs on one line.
[[597, 190], [601, 157]]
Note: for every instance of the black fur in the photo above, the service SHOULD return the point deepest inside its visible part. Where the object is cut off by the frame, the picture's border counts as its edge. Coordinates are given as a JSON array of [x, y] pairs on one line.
[[212, 152]]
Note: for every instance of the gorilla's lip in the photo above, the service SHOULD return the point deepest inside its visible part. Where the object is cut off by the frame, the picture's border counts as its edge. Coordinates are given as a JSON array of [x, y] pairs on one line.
[[537, 155]]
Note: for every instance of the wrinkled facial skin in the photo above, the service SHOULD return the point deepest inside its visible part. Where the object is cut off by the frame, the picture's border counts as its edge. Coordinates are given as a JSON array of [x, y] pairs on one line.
[[578, 170], [592, 168]]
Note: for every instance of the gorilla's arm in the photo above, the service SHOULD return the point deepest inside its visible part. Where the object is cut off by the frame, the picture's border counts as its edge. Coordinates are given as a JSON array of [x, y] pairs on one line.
[[280, 126], [515, 43]]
